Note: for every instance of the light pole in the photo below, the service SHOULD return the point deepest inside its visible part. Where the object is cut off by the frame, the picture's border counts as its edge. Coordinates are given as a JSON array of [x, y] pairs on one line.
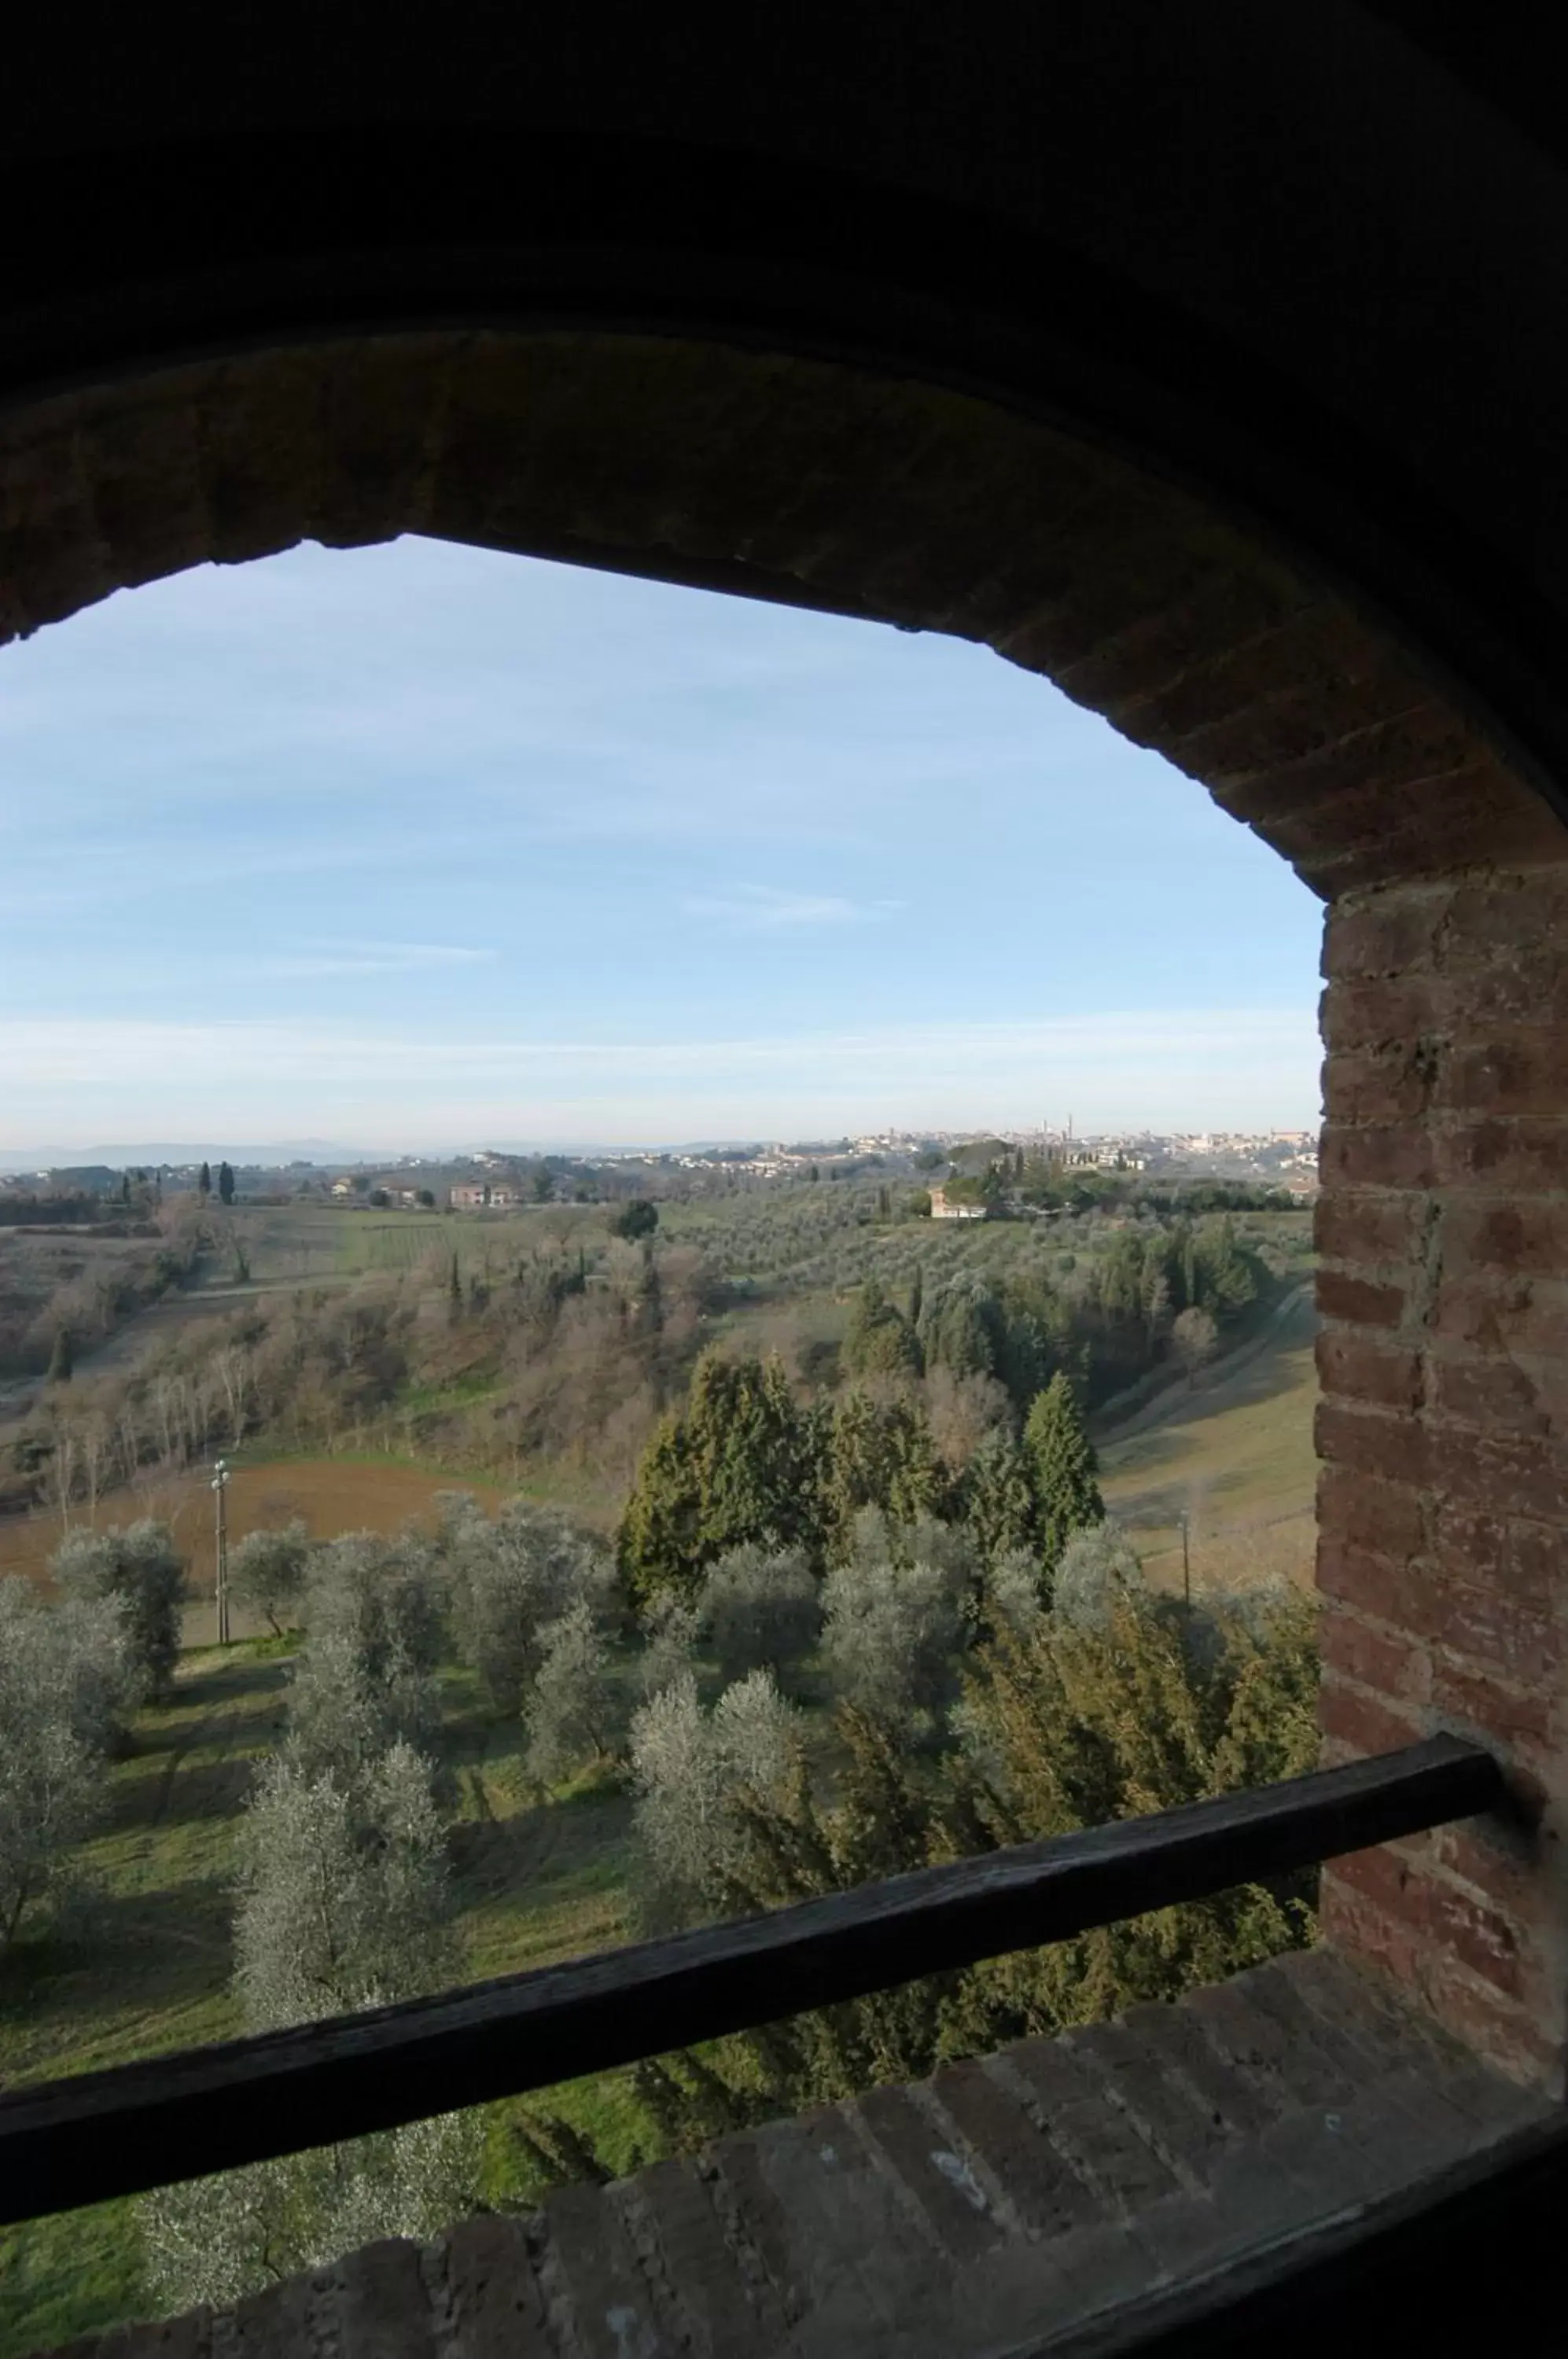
[[220, 1500]]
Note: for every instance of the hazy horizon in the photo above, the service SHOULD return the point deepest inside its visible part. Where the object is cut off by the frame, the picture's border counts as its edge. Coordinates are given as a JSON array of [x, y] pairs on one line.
[[431, 843]]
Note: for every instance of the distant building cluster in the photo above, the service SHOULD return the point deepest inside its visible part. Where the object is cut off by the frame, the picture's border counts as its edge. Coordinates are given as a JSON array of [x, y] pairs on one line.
[[490, 1181]]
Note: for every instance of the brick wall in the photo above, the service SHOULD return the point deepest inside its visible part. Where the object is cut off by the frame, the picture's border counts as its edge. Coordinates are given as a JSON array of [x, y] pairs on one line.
[[1444, 1216], [1443, 1427]]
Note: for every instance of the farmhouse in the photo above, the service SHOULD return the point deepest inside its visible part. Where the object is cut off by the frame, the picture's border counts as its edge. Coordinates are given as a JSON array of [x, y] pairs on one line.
[[944, 1210]]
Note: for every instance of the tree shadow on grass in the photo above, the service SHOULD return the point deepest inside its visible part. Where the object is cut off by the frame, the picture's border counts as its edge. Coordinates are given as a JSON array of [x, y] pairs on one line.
[[125, 1957]]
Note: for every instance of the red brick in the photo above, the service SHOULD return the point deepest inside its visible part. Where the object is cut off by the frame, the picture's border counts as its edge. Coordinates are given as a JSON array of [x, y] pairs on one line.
[[1391, 933], [1378, 1157], [1481, 1937], [1517, 1713], [1499, 1314], [1504, 1878], [1370, 1584], [1487, 1626], [1384, 1085], [1520, 1070], [1366, 1230], [1535, 1557], [1369, 1512], [1492, 2024], [1482, 922], [1500, 1473], [1358, 1301], [1393, 1664], [1363, 1723], [1354, 1368], [1362, 1016], [1467, 1545], [1528, 1154], [1353, 1923], [1396, 1885], [1395, 1449], [1499, 1396], [1528, 1239]]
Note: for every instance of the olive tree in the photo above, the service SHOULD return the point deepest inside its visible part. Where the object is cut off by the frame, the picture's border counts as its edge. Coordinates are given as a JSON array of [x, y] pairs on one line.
[[343, 1902], [343, 1898], [66, 1674], [573, 1712], [694, 1773], [384, 1595], [267, 1573], [891, 1629], [510, 1579], [1099, 1572], [670, 1626], [139, 1564], [762, 1608]]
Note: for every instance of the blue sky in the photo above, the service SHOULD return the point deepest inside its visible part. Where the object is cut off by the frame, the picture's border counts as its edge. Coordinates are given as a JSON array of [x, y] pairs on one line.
[[423, 847]]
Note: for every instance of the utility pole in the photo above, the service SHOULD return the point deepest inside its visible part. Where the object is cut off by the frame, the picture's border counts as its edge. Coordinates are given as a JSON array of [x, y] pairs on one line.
[[220, 1500]]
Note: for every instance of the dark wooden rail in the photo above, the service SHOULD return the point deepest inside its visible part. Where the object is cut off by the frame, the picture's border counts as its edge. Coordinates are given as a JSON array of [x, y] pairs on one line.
[[140, 2125]]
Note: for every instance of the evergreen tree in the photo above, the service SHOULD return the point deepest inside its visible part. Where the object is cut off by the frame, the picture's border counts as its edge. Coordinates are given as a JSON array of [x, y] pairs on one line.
[[878, 1340], [204, 1182], [742, 1465], [880, 1454], [999, 1499], [62, 1361], [454, 1292], [226, 1184], [1063, 1467]]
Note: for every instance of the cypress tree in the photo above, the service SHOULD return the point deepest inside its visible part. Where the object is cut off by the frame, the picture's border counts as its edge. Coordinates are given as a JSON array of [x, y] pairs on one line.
[[999, 1501], [61, 1359], [1063, 1466], [226, 1184], [204, 1182], [454, 1292]]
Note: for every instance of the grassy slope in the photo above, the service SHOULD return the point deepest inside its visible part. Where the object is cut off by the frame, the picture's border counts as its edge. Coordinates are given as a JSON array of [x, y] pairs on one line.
[[1237, 1455], [149, 1971]]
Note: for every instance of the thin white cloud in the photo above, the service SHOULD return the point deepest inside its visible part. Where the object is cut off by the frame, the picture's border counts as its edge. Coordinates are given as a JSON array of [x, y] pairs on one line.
[[53, 1050], [374, 958], [760, 908]]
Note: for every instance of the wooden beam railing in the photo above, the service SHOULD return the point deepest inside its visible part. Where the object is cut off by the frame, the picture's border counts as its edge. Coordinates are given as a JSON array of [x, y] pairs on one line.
[[71, 2142]]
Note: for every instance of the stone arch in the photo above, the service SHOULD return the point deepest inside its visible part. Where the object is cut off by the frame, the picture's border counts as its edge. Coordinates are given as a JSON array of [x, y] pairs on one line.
[[1442, 1227]]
